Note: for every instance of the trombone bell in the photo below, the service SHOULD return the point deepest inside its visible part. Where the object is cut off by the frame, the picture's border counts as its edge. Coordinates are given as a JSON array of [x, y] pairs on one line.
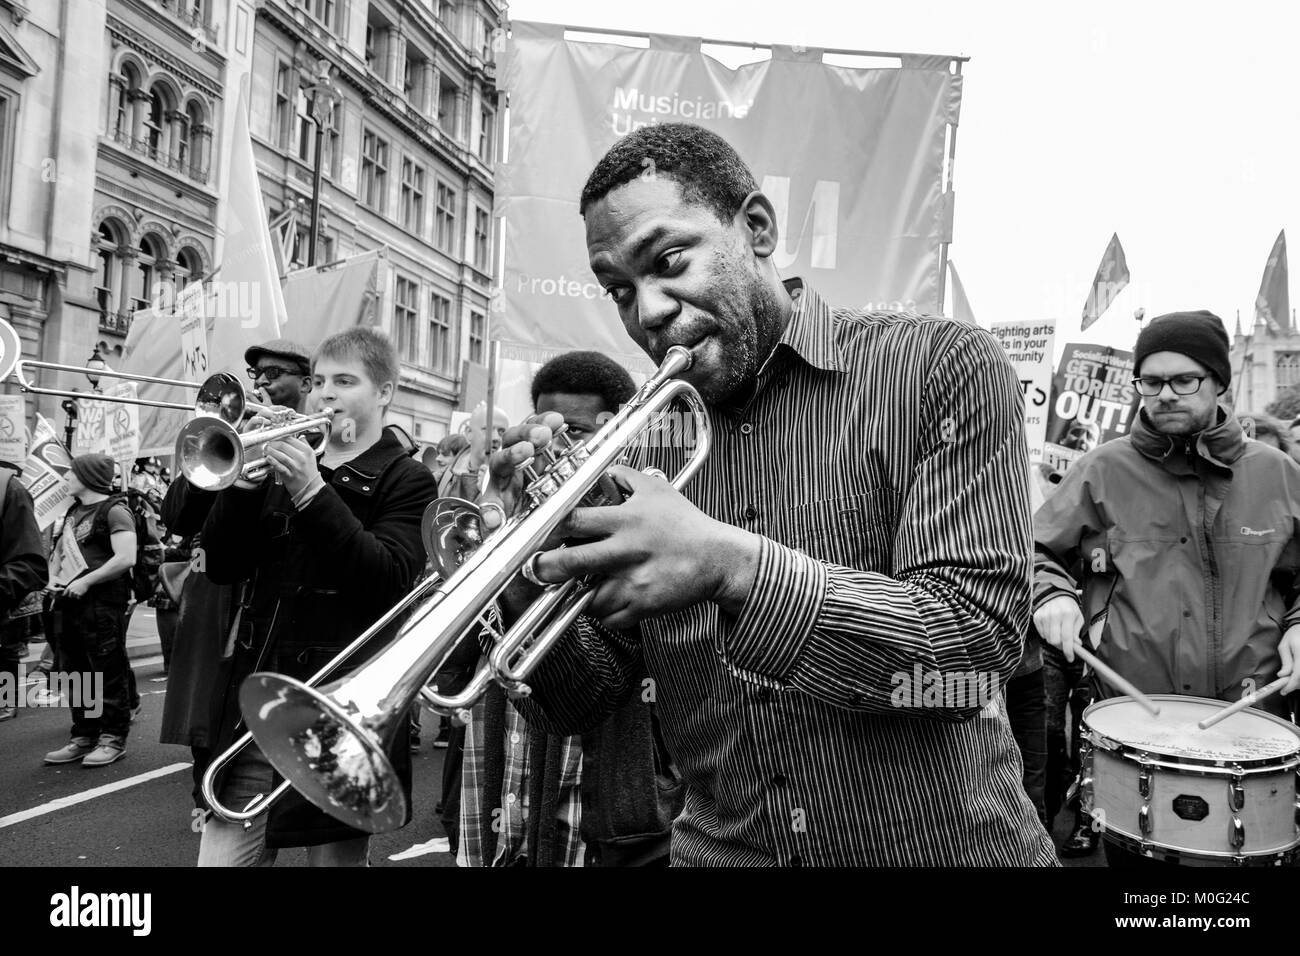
[[335, 761]]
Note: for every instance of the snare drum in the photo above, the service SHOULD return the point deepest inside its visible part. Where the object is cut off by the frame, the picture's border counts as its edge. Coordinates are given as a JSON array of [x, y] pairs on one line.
[[1169, 790]]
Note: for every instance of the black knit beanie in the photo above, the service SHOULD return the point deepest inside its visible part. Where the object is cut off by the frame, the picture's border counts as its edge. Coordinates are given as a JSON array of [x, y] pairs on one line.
[[1199, 335]]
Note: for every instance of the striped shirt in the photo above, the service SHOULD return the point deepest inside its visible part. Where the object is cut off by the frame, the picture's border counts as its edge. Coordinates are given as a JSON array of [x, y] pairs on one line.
[[510, 816], [850, 714]]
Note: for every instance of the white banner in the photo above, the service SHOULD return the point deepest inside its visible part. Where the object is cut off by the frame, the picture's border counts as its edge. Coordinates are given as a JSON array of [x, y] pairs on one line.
[[13, 429], [123, 426], [194, 333], [1029, 347]]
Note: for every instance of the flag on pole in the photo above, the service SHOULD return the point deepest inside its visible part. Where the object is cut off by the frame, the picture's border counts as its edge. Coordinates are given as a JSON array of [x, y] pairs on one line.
[[1112, 276], [247, 304], [960, 304], [1272, 305], [322, 300]]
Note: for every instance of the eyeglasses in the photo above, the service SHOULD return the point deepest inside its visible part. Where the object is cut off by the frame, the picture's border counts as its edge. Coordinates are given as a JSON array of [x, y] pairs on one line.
[[271, 372], [1150, 386]]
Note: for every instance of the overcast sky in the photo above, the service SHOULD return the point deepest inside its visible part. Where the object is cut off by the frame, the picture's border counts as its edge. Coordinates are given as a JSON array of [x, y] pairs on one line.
[[1176, 125]]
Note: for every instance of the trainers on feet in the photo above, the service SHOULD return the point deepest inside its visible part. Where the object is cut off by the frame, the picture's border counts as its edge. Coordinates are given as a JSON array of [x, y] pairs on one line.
[[8, 713], [110, 750], [77, 748], [45, 698]]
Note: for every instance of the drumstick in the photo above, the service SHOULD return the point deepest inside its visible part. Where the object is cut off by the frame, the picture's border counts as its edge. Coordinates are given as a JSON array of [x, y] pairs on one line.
[[1249, 700], [1119, 683]]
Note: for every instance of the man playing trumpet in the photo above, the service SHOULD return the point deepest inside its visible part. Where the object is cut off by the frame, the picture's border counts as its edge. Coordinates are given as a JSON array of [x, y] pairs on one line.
[[777, 603], [329, 547]]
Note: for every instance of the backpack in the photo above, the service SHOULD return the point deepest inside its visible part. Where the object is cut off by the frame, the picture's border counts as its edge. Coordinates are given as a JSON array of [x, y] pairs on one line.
[[149, 548]]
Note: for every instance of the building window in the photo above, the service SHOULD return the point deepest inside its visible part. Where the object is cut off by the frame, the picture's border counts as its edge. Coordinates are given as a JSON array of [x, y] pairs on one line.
[[374, 171], [448, 107], [477, 347], [370, 49], [1286, 369], [150, 290], [155, 124], [487, 121], [444, 226], [446, 10], [284, 97], [126, 87], [322, 10], [406, 321], [482, 230], [441, 347], [412, 196], [487, 26], [188, 268], [304, 130], [330, 145], [108, 248], [410, 76], [300, 247]]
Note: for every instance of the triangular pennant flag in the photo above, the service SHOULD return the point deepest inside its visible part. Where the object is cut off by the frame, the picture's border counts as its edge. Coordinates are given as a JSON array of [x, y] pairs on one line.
[[1272, 305], [1112, 276], [960, 304]]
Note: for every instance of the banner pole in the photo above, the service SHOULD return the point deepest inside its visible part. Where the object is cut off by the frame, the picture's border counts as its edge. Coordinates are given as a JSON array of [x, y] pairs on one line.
[[489, 418], [943, 247]]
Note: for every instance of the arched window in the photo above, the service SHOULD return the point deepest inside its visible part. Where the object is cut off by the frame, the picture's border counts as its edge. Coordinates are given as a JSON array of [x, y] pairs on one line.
[[107, 247], [156, 123], [190, 148], [126, 87], [189, 267], [150, 268]]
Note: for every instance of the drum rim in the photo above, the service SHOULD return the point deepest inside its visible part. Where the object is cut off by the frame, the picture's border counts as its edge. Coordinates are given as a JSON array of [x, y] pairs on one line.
[[1271, 857], [1225, 763]]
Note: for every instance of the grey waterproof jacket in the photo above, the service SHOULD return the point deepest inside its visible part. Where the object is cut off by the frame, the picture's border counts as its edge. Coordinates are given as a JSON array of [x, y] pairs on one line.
[[1187, 549]]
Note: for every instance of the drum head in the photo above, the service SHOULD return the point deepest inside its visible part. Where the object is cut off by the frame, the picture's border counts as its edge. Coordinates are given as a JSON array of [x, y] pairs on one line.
[[1247, 736]]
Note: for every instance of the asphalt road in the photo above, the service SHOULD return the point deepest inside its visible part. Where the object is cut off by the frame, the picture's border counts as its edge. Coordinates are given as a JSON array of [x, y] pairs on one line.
[[138, 811]]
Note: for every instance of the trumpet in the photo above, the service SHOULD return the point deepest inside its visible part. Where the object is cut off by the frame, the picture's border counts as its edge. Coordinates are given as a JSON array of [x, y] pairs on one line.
[[330, 742], [213, 454]]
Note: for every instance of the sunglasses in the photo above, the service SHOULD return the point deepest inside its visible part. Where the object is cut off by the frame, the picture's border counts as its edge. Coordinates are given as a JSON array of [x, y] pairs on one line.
[[272, 372]]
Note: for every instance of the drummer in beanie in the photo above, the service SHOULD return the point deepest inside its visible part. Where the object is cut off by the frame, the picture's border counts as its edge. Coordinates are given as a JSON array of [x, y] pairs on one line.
[[90, 567], [1175, 546]]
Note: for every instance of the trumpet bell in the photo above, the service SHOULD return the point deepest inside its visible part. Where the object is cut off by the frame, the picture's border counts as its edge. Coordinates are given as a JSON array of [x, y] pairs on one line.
[[336, 759], [209, 452]]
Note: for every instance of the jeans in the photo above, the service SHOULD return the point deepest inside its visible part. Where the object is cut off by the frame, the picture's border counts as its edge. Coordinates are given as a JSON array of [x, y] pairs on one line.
[[1026, 710], [230, 844], [92, 641], [1063, 684]]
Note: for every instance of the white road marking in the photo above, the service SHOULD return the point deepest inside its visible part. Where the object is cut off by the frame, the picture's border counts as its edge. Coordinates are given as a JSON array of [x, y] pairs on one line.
[[76, 798], [438, 845]]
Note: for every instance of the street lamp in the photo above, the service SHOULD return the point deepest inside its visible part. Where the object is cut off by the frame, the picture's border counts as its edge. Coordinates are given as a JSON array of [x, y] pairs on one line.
[[324, 96], [95, 365]]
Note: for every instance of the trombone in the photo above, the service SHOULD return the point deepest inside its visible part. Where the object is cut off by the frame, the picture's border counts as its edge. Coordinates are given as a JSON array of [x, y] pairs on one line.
[[450, 535], [20, 377], [329, 742]]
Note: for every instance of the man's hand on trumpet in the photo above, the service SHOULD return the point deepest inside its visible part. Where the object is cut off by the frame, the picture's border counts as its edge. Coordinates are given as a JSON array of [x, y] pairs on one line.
[[293, 462], [654, 553]]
